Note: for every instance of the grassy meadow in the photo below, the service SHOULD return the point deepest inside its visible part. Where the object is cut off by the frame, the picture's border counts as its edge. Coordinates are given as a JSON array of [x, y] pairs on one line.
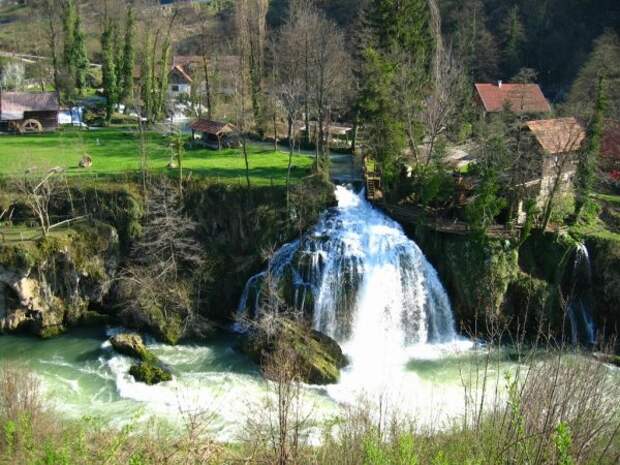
[[116, 151]]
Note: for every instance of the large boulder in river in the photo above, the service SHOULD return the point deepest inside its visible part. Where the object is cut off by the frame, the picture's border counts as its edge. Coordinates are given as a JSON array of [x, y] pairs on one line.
[[318, 358], [132, 345], [149, 370]]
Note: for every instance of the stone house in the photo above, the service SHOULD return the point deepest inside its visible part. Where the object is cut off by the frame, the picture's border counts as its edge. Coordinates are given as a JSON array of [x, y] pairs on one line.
[[556, 145]]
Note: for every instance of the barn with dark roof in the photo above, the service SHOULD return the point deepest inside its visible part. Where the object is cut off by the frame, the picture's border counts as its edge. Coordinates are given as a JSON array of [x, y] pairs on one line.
[[25, 112]]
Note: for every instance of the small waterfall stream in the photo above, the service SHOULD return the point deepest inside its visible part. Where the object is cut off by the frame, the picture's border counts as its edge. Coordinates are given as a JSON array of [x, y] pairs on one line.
[[360, 280], [582, 326]]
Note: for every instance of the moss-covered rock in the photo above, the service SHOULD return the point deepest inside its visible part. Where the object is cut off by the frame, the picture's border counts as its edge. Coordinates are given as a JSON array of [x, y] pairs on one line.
[[477, 274], [132, 345], [149, 373], [149, 370], [318, 357]]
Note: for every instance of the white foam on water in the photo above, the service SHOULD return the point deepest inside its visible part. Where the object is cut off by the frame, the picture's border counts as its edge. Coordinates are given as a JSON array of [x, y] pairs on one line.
[[378, 296]]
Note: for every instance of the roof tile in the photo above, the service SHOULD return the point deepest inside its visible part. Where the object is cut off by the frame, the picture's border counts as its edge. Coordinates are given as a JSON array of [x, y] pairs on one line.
[[522, 98]]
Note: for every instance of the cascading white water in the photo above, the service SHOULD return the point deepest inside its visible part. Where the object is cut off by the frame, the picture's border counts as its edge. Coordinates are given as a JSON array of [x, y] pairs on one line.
[[583, 330], [368, 285]]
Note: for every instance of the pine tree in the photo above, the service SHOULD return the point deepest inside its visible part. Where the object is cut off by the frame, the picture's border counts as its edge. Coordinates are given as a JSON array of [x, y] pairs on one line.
[[129, 58], [109, 69], [588, 156], [514, 37], [396, 29]]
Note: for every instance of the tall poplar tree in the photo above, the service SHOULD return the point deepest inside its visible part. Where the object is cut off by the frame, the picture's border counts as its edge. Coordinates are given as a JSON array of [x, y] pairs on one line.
[[68, 25], [129, 58], [108, 69], [75, 57], [79, 56]]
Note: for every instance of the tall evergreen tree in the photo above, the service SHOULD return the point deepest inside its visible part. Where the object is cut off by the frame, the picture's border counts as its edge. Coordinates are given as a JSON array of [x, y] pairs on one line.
[[588, 156], [396, 28], [129, 58], [109, 69], [514, 37]]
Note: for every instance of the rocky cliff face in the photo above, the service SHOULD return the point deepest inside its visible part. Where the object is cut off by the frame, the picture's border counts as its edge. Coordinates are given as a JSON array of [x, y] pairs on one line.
[[53, 283], [56, 282], [495, 284]]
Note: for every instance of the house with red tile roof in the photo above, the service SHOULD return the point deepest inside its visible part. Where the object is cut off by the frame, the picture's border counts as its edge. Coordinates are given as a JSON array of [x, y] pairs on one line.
[[518, 98]]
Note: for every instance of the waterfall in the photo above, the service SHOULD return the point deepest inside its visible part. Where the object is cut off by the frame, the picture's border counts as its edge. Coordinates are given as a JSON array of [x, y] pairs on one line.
[[360, 280], [582, 326]]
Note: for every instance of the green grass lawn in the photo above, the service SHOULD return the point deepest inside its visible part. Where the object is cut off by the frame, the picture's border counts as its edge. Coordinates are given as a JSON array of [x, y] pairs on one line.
[[116, 151]]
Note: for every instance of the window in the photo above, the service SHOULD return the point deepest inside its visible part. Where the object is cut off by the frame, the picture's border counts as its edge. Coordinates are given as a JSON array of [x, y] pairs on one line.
[[175, 88]]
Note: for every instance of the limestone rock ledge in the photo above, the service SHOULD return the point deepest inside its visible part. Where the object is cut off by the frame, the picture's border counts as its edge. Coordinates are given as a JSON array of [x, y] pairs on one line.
[[53, 283]]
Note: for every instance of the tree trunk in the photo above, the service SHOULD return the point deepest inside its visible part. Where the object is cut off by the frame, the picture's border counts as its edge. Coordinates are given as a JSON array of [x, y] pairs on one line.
[[275, 131], [245, 157], [290, 158]]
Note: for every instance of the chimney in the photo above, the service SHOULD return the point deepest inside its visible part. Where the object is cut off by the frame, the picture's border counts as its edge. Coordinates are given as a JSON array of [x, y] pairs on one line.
[[499, 84]]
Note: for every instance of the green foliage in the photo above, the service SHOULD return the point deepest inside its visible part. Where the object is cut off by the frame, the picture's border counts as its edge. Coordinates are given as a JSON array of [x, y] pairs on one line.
[[487, 204], [563, 208], [563, 442], [432, 185]]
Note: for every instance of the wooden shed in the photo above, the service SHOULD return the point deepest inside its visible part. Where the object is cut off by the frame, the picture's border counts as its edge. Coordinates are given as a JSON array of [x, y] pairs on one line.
[[214, 134], [28, 112]]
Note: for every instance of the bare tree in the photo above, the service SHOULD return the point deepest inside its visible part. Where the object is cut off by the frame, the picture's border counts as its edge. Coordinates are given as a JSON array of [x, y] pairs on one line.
[[51, 11], [250, 18], [441, 103], [205, 50], [38, 188], [242, 80], [156, 289], [288, 82]]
